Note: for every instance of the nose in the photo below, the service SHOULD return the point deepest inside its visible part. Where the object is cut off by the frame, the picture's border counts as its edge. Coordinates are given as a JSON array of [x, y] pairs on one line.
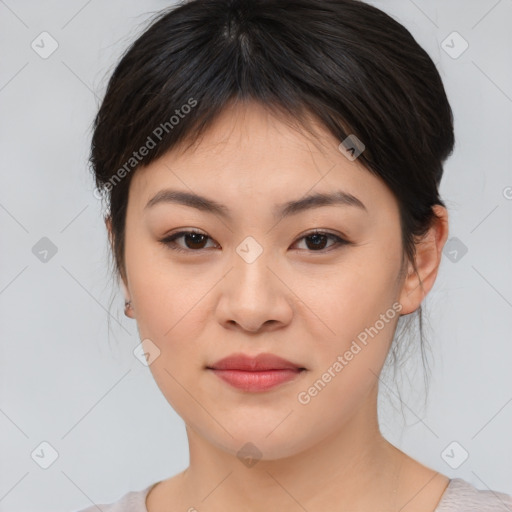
[[254, 297]]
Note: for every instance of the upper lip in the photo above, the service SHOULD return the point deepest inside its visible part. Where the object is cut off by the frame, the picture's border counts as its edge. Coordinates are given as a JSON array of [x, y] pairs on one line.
[[261, 362]]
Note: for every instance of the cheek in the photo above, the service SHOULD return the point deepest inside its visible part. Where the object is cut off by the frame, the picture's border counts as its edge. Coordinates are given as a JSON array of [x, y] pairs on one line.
[[359, 307], [351, 296], [166, 296]]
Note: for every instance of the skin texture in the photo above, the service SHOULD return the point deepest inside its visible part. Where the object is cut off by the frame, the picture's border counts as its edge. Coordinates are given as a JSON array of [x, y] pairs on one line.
[[304, 304]]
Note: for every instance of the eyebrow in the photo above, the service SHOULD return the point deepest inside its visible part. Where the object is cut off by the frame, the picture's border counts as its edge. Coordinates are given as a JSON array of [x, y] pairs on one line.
[[287, 209]]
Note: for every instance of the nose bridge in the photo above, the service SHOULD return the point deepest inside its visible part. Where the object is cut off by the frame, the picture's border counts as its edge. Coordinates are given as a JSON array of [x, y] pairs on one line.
[[252, 296], [251, 263]]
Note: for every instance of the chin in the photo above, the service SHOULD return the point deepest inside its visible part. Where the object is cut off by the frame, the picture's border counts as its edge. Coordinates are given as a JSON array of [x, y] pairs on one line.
[[252, 442]]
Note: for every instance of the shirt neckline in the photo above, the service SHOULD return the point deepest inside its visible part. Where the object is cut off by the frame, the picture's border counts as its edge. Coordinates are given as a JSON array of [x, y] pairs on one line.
[[447, 489]]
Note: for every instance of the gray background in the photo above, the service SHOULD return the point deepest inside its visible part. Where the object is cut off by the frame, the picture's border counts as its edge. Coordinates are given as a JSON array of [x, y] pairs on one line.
[[68, 381]]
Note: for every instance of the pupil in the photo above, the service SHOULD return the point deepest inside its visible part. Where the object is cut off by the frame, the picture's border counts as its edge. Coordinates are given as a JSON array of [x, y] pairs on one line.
[[317, 238], [194, 239]]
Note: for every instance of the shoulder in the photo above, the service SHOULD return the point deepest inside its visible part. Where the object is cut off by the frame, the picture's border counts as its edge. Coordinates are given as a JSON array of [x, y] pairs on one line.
[[133, 501], [461, 496]]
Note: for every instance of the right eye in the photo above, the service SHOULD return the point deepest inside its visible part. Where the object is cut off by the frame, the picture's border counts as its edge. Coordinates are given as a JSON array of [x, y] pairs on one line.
[[194, 241]]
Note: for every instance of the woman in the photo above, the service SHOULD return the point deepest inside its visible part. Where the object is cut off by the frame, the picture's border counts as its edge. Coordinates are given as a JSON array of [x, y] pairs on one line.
[[272, 172]]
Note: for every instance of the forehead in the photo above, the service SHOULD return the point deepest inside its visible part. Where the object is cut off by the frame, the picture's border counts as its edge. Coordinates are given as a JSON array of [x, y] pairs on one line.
[[250, 154]]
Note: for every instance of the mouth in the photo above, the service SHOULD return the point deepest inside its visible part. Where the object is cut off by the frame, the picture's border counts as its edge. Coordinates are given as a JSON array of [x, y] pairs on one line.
[[255, 374]]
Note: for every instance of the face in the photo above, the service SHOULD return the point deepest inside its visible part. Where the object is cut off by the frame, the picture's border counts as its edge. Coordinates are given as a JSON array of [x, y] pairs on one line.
[[257, 279]]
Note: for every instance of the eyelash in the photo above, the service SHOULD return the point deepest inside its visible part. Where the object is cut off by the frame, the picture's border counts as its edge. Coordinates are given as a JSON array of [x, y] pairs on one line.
[[170, 240]]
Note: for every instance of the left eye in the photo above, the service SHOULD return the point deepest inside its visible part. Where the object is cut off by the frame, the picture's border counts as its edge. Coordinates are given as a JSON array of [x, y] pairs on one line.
[[319, 238], [194, 241]]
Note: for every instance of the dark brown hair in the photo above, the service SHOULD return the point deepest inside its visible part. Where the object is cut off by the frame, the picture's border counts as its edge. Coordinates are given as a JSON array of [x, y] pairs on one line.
[[349, 64]]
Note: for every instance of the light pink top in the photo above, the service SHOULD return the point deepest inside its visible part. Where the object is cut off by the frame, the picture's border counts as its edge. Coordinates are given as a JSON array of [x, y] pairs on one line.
[[459, 496]]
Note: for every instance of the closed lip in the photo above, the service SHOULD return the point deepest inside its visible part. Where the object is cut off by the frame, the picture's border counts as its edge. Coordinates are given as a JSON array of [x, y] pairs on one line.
[[259, 363]]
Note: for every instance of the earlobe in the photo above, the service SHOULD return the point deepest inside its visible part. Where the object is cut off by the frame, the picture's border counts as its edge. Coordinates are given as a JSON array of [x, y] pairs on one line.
[[428, 259], [128, 308]]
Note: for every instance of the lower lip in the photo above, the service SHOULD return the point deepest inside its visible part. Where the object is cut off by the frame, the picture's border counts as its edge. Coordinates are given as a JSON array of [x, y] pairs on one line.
[[256, 381]]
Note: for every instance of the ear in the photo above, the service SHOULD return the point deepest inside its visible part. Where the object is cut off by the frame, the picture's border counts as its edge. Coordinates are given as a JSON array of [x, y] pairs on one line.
[[428, 258], [108, 224]]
